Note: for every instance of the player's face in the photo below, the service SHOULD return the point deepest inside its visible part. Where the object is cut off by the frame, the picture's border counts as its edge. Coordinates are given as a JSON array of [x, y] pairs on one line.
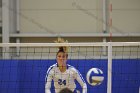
[[61, 59]]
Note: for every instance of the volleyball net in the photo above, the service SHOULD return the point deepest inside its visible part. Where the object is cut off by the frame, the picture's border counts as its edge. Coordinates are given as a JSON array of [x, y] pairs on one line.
[[23, 66]]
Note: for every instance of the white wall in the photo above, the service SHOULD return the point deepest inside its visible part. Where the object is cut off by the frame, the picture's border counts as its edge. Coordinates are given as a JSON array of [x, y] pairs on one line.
[[60, 16], [126, 16], [0, 16], [0, 13], [68, 16]]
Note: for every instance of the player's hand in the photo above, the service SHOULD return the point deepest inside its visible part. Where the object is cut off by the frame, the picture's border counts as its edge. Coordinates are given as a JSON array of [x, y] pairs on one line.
[[77, 91]]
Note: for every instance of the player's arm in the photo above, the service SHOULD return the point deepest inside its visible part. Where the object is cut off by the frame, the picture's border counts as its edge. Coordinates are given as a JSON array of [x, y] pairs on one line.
[[81, 81], [48, 81]]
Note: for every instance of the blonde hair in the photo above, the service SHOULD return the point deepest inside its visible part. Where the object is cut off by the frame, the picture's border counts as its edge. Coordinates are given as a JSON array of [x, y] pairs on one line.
[[62, 48]]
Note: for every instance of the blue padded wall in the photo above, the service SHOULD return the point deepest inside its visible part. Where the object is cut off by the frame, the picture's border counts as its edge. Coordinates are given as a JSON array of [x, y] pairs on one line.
[[126, 76], [28, 76]]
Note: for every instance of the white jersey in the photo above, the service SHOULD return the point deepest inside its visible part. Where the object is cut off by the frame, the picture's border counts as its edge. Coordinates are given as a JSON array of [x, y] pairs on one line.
[[63, 80]]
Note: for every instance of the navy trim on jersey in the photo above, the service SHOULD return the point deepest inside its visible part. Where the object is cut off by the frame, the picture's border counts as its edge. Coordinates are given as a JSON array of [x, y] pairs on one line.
[[50, 68], [79, 74]]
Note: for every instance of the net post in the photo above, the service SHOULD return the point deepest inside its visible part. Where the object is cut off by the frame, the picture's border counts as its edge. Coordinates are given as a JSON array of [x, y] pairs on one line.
[[5, 53], [5, 27], [18, 48], [109, 71]]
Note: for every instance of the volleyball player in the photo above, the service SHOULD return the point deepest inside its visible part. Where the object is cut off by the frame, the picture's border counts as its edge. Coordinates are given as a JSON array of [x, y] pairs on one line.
[[63, 75]]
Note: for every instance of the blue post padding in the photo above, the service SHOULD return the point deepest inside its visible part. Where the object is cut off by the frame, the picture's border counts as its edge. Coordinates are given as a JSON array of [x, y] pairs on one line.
[[28, 76]]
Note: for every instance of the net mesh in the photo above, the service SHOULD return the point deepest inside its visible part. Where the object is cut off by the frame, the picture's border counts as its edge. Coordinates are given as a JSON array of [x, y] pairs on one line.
[[23, 67]]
